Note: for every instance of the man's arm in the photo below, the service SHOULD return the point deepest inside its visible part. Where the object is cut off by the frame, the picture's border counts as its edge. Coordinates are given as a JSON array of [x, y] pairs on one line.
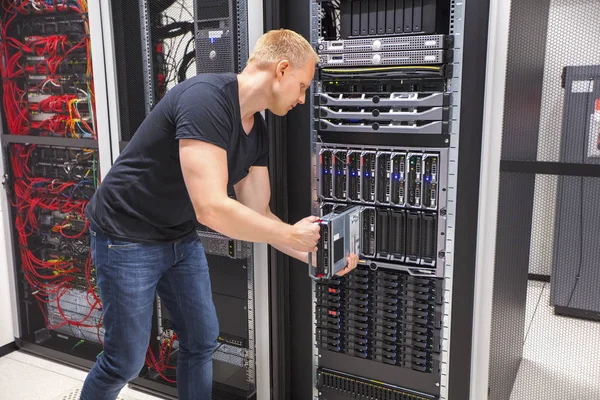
[[254, 191], [204, 168]]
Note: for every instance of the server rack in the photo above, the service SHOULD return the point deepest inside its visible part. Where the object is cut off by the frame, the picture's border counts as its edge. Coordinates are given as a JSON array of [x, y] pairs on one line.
[[55, 151], [384, 322], [216, 36], [330, 329], [145, 62]]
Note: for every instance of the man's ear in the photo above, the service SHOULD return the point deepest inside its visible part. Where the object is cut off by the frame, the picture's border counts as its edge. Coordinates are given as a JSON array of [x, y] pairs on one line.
[[283, 67]]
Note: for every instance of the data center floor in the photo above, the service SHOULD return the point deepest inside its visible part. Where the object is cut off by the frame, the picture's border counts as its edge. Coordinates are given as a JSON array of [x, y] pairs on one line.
[[26, 377], [560, 358]]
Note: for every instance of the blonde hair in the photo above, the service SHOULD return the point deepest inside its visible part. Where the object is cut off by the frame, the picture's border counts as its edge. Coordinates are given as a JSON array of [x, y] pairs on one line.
[[282, 44]]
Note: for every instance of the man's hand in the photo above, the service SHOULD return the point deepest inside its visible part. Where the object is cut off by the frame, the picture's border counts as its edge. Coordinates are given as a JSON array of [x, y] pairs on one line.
[[305, 235], [352, 262]]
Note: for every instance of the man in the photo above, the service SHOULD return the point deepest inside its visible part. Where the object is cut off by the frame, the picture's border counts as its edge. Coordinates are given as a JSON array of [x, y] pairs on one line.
[[207, 133]]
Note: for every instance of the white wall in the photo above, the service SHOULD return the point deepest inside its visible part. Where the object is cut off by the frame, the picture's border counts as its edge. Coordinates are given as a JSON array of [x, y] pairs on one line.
[[573, 27]]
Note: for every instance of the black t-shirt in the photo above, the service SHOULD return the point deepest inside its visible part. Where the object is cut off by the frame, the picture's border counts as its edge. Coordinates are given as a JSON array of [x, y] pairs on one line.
[[144, 197]]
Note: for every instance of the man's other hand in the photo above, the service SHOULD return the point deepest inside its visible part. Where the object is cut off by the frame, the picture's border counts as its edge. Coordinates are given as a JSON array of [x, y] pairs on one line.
[[352, 262]]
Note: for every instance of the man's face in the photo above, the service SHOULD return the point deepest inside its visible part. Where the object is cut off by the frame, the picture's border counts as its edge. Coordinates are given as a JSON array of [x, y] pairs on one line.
[[290, 86]]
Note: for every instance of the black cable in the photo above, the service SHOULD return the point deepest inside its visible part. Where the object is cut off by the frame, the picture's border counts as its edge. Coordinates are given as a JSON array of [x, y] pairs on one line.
[[186, 62], [329, 28], [173, 30], [176, 57]]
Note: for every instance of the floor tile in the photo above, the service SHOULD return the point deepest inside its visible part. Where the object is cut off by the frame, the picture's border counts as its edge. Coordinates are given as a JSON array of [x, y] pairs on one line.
[[126, 394], [137, 395], [560, 358], [23, 381], [48, 365], [32, 362]]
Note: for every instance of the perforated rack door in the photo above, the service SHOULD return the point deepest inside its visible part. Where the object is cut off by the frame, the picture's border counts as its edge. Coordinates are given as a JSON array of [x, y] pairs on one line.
[[546, 304]]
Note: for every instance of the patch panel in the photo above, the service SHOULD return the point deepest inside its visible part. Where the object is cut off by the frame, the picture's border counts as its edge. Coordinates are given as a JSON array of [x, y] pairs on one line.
[[50, 187]]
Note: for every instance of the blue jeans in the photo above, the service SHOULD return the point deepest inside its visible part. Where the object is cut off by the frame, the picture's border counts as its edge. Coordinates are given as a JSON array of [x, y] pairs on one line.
[[129, 275]]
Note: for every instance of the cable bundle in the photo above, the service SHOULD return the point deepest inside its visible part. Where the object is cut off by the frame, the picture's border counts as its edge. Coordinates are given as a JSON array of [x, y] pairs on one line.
[[160, 365], [52, 229], [47, 65]]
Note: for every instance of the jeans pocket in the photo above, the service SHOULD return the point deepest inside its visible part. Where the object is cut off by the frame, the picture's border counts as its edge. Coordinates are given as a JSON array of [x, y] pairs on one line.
[[114, 243]]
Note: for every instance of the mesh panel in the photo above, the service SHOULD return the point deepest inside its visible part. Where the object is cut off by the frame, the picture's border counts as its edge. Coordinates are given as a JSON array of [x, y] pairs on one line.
[[130, 68], [510, 282], [525, 68], [541, 116], [177, 60], [230, 354], [169, 41], [572, 29], [544, 334], [559, 356], [560, 322], [544, 208], [159, 53]]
